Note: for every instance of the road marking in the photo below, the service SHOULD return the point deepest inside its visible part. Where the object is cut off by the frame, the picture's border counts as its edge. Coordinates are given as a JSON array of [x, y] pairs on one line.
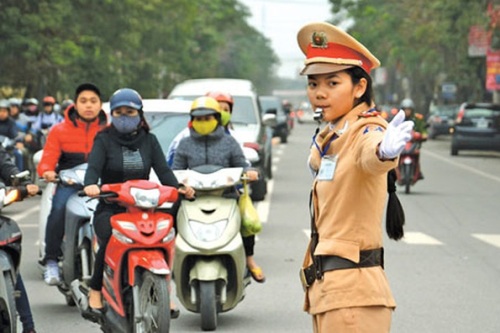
[[492, 239], [419, 238], [20, 216], [465, 167], [415, 238]]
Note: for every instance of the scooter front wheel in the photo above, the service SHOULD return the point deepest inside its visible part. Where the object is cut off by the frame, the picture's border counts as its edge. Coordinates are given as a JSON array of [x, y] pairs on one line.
[[154, 304], [208, 306], [407, 178], [8, 314]]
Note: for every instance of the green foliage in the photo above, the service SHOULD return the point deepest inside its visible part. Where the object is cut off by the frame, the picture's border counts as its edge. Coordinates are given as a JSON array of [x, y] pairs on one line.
[[50, 46], [424, 41]]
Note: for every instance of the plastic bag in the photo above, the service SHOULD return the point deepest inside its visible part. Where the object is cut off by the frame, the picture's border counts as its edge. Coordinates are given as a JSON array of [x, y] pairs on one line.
[[250, 221]]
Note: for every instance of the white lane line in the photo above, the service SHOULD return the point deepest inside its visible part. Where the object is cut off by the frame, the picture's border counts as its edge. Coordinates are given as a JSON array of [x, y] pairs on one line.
[[465, 167], [419, 238], [18, 217], [492, 239], [415, 238]]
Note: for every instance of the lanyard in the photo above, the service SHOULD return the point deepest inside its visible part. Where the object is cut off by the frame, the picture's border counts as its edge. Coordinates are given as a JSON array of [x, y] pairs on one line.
[[323, 152]]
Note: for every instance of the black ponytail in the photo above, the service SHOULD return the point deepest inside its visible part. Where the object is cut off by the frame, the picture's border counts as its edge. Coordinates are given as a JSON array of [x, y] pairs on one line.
[[395, 218]]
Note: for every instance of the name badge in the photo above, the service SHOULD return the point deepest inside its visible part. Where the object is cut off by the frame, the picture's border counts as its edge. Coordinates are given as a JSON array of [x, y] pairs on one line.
[[327, 167]]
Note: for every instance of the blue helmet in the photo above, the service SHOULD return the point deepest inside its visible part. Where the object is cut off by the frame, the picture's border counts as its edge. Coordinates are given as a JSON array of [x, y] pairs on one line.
[[125, 97]]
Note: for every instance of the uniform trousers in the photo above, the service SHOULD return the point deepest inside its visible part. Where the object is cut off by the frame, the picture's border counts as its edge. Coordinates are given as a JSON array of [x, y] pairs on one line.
[[366, 319]]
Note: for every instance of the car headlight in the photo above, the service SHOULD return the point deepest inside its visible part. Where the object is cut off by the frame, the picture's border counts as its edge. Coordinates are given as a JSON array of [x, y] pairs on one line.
[[145, 198], [208, 232]]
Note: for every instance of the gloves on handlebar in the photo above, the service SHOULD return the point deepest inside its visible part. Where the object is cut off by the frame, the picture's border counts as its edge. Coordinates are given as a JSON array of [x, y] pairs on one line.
[[398, 133]]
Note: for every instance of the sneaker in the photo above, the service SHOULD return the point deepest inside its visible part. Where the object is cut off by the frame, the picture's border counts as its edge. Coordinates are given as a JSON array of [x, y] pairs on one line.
[[51, 275]]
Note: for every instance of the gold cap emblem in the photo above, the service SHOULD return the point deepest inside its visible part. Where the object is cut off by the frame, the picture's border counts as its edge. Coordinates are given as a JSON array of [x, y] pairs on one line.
[[319, 40]]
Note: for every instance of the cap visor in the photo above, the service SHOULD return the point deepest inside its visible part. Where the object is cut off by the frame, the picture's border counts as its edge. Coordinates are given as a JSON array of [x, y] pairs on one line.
[[202, 112], [323, 68]]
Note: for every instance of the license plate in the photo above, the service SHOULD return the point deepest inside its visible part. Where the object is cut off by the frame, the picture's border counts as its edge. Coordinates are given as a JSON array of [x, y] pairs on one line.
[[482, 123]]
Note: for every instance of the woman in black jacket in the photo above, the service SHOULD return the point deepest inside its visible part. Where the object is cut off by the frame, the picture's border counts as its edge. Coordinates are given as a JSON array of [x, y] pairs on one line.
[[123, 151]]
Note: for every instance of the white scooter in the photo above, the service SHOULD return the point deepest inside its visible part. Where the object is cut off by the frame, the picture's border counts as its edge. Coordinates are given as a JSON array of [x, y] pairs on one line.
[[77, 260], [210, 270]]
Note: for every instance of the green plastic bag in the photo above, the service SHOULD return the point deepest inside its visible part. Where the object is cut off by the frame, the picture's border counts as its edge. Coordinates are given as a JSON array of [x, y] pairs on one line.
[[250, 221]]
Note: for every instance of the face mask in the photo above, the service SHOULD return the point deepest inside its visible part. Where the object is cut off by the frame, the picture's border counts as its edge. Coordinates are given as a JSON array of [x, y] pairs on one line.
[[225, 117], [204, 127], [126, 124]]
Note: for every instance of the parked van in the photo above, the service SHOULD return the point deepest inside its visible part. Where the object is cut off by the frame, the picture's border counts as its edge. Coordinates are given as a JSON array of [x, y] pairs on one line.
[[251, 128]]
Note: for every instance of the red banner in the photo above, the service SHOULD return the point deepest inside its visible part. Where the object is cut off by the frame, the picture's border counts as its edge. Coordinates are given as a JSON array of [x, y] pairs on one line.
[[478, 41], [493, 70]]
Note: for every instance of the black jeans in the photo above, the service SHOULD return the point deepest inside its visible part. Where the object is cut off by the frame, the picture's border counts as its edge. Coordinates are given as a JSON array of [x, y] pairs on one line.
[[102, 228], [54, 230], [23, 305]]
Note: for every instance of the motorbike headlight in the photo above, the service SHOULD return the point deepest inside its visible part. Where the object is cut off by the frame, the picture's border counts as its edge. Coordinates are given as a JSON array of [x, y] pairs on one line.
[[170, 236], [122, 238], [145, 198], [127, 225], [208, 232]]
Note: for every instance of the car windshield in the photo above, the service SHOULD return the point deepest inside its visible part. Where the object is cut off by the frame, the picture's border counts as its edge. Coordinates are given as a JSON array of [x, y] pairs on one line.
[[166, 126], [243, 109], [267, 104], [481, 113], [446, 110]]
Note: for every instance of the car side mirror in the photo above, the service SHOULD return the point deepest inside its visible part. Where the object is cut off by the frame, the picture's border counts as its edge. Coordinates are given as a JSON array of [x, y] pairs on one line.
[[269, 119]]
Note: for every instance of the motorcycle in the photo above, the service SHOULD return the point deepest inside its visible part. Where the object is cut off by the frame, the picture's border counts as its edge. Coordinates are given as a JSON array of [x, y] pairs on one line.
[[10, 254], [210, 270], [138, 260], [408, 171], [77, 259]]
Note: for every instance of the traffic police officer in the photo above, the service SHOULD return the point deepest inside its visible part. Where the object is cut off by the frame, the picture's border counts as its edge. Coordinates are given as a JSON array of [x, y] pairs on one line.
[[345, 283]]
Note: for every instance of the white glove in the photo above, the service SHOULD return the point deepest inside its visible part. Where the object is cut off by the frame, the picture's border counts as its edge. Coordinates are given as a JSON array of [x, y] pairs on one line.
[[398, 133]]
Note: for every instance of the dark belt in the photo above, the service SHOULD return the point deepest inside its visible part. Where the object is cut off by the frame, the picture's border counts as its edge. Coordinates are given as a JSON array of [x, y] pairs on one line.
[[367, 258]]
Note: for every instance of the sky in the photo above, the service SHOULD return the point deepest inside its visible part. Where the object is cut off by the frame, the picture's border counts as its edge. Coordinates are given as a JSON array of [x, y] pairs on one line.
[[280, 20]]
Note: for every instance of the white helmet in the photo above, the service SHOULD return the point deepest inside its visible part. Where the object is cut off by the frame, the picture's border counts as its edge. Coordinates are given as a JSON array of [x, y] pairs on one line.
[[407, 103]]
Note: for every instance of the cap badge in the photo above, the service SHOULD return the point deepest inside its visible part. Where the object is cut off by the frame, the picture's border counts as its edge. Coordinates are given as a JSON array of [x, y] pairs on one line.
[[319, 40]]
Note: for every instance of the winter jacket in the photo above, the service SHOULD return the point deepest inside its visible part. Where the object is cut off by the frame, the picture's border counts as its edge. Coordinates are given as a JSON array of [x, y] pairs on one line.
[[8, 128], [7, 167], [216, 148], [46, 121], [69, 143], [116, 158]]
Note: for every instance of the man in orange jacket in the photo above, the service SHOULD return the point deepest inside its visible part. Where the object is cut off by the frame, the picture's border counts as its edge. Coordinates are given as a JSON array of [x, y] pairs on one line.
[[68, 144]]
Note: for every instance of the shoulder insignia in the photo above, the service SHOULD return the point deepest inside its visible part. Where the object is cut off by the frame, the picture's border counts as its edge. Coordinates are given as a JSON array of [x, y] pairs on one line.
[[370, 114], [371, 128]]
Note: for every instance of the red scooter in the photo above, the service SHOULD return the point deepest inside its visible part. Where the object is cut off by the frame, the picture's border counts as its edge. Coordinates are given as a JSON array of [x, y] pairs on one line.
[[408, 170], [138, 260]]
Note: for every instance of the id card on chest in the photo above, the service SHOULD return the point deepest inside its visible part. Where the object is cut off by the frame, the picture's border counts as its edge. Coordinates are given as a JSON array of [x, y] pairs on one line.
[[327, 167]]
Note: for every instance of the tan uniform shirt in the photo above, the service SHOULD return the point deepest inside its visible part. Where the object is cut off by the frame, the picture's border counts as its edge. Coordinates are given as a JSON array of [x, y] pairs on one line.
[[349, 210]]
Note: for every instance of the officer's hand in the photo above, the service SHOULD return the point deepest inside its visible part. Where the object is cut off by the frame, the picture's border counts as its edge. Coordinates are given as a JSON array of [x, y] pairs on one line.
[[32, 189], [397, 134], [188, 191], [252, 175], [49, 176], [91, 190]]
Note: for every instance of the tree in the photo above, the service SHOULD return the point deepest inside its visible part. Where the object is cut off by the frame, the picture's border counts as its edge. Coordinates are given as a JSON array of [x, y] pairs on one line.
[[425, 42], [50, 46]]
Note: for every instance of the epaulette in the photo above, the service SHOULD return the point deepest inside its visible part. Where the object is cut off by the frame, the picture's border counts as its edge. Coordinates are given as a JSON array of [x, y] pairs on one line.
[[419, 116], [368, 114]]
